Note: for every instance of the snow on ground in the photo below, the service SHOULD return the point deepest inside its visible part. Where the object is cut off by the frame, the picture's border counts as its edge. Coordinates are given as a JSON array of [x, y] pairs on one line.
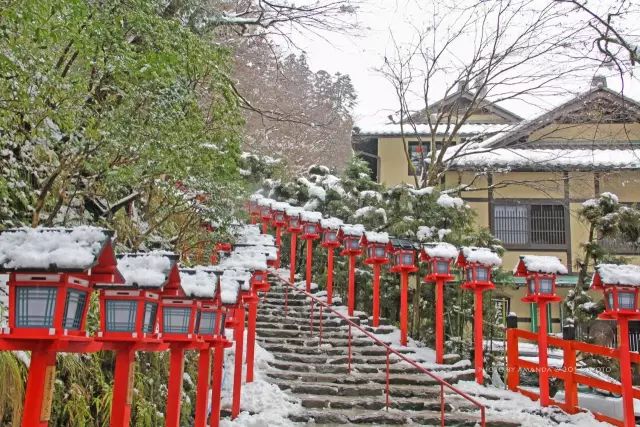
[[263, 404], [504, 404]]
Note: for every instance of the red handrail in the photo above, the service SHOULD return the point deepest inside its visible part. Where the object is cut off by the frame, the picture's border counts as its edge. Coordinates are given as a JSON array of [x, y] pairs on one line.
[[389, 350]]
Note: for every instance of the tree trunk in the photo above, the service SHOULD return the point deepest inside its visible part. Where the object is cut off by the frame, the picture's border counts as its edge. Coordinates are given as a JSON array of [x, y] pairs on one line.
[[582, 274]]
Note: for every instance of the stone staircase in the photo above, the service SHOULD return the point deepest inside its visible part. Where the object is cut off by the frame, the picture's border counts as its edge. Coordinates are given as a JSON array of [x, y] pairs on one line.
[[317, 373]]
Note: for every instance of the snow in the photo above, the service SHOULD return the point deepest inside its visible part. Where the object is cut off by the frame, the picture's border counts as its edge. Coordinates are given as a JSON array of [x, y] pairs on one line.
[[424, 232], [544, 264], [353, 229], [310, 216], [612, 274], [375, 237], [293, 210], [314, 190], [370, 194], [592, 203], [447, 201], [229, 287], [265, 202], [484, 256], [331, 223], [466, 129], [243, 277], [370, 210], [198, 282], [421, 192], [45, 248], [280, 206], [246, 258], [545, 159], [146, 269], [440, 250]]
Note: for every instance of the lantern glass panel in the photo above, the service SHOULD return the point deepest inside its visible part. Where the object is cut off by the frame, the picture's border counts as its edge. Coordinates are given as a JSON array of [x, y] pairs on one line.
[[626, 300], [380, 252], [609, 300], [258, 277], [407, 259], [330, 236], [469, 274], [279, 217], [442, 267], [207, 324], [353, 243], [531, 283], [294, 222], [266, 212], [546, 286], [398, 259], [121, 315], [150, 312], [176, 320], [310, 229], [73, 309], [482, 274], [35, 306]]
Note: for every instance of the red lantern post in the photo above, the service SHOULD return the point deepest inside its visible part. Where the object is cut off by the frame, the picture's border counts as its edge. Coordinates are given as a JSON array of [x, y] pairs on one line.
[[404, 262], [51, 276], [620, 285], [330, 228], [439, 257], [265, 213], [254, 207], [540, 274], [375, 245], [128, 320], [279, 220], [310, 232], [350, 236], [294, 227], [477, 264]]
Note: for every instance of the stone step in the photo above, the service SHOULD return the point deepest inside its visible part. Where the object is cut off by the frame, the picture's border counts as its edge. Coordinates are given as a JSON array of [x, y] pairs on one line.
[[338, 374], [313, 341], [291, 333], [372, 403], [333, 417], [304, 327], [326, 349]]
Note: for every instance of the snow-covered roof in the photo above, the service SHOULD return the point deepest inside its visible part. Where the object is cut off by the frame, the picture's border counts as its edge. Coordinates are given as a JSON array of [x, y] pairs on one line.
[[352, 229], [467, 129], [198, 282], [229, 287], [243, 277], [376, 237], [612, 274], [264, 201], [310, 216], [331, 223], [246, 258], [484, 256], [146, 269], [294, 210], [546, 159], [255, 197], [544, 264], [279, 206], [71, 249], [440, 250]]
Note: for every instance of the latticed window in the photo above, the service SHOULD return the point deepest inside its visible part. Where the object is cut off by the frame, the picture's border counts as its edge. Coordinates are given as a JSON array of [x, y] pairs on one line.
[[207, 322], [150, 312], [35, 306], [522, 224], [121, 315], [73, 309], [176, 320]]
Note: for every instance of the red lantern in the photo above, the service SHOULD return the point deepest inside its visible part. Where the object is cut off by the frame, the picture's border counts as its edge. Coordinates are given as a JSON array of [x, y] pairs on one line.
[[403, 254], [310, 225], [330, 240], [294, 226], [438, 258], [254, 207], [278, 214], [51, 276], [376, 249], [350, 236], [477, 264], [620, 285]]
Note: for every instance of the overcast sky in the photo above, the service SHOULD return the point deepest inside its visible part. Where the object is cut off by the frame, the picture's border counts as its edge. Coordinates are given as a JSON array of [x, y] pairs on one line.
[[360, 56]]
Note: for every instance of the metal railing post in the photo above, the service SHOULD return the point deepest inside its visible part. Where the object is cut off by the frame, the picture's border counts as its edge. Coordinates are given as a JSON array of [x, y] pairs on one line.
[[321, 321], [349, 340], [442, 404], [387, 385]]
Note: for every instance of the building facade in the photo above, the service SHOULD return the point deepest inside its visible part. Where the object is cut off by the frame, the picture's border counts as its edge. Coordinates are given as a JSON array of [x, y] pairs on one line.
[[526, 180]]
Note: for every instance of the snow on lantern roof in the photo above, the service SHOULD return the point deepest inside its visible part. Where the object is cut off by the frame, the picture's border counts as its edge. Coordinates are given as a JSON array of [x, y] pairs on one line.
[[147, 269], [264, 201], [356, 230], [255, 197], [376, 237], [198, 282], [612, 274], [247, 258], [279, 206], [310, 216], [61, 249], [541, 264], [229, 287], [484, 256], [440, 250], [331, 223], [293, 210], [242, 277]]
